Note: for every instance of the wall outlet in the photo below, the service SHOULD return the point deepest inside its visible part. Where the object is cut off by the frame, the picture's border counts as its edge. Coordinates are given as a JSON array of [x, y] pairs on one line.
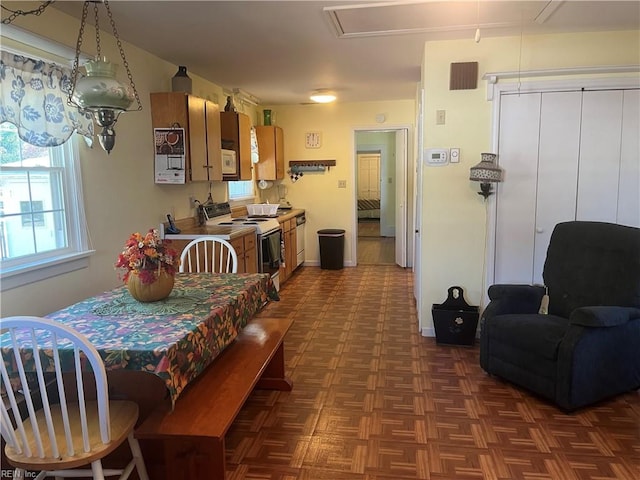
[[192, 201], [342, 184]]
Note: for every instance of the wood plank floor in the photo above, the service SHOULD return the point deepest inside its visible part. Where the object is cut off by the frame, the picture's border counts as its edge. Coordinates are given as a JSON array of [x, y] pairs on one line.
[[372, 248], [374, 400]]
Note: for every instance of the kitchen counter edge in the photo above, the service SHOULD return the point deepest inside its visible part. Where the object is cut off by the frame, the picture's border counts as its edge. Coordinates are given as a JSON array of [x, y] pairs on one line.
[[294, 212]]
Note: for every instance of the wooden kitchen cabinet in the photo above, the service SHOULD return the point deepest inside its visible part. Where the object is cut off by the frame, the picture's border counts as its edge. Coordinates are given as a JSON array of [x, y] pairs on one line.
[[271, 150], [245, 247], [290, 246], [247, 253], [200, 119], [235, 131]]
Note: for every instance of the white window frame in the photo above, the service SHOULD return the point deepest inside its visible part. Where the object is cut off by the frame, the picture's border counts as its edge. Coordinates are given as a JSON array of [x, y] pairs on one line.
[[40, 266], [246, 196]]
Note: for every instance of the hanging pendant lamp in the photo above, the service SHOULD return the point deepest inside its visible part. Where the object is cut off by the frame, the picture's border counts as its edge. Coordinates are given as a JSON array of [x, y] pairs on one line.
[[99, 92]]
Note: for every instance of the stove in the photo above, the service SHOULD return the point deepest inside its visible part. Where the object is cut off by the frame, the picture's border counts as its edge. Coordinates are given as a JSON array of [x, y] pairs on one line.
[[221, 215]]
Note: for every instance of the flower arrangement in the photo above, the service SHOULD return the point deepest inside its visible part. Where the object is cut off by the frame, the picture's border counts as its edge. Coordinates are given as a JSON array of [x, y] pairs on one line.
[[147, 256]]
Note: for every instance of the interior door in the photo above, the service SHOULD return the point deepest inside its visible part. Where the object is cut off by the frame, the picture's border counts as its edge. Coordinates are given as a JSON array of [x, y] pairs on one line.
[[516, 198], [557, 173], [369, 176], [401, 198], [629, 186], [567, 156], [600, 156]]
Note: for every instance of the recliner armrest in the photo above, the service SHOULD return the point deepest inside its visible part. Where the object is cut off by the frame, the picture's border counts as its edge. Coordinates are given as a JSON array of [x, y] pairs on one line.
[[603, 316], [507, 298]]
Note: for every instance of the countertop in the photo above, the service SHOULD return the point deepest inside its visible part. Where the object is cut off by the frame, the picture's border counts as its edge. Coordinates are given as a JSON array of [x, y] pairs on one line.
[[294, 212], [189, 228]]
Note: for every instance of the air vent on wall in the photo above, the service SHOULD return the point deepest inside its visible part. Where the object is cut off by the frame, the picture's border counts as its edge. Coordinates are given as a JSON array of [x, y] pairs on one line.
[[463, 76]]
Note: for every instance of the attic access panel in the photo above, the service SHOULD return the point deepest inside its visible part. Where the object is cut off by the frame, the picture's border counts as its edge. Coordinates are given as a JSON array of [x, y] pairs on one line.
[[385, 18]]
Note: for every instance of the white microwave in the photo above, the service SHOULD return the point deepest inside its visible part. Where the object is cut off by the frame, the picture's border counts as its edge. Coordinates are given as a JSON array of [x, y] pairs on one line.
[[229, 165]]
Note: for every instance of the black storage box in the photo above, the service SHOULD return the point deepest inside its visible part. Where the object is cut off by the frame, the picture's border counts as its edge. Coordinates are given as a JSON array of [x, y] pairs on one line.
[[454, 320]]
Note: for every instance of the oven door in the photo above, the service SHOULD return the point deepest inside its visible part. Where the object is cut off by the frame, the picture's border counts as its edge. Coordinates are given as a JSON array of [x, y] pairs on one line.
[[270, 253]]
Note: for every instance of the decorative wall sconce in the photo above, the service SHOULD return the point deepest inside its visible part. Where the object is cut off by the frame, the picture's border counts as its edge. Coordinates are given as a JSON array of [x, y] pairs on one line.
[[486, 172]]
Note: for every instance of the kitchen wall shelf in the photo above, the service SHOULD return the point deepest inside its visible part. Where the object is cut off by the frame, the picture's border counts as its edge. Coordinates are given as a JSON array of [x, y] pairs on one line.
[[311, 165]]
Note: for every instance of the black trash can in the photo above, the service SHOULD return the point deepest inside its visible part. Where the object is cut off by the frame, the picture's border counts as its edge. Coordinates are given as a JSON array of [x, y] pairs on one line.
[[331, 248], [455, 321]]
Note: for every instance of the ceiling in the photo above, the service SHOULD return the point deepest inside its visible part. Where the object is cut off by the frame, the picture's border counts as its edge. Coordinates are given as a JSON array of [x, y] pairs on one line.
[[279, 51]]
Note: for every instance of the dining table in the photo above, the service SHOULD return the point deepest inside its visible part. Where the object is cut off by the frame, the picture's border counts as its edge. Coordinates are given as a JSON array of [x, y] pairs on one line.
[[174, 339]]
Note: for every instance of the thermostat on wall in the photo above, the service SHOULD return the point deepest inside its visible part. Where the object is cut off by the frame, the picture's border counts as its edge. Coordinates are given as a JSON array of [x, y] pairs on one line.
[[436, 156]]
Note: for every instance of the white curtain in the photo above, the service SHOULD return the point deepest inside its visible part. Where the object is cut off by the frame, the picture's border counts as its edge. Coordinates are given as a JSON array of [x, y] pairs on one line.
[[33, 97]]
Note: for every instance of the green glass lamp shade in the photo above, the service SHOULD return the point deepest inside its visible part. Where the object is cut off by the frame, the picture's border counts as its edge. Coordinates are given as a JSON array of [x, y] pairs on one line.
[[99, 89]]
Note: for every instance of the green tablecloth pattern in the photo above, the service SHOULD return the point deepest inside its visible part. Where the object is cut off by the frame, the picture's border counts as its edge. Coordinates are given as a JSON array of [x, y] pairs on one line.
[[175, 338]]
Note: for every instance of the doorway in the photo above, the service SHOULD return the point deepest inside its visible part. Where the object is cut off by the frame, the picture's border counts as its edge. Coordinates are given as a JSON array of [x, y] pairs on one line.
[[380, 174]]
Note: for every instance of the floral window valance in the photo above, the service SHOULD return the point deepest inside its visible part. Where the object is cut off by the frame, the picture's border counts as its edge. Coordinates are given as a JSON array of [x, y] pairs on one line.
[[33, 97]]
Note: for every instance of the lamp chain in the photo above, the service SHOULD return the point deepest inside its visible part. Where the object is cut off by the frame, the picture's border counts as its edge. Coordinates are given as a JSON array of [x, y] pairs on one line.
[[76, 60], [97, 15], [124, 60], [17, 13]]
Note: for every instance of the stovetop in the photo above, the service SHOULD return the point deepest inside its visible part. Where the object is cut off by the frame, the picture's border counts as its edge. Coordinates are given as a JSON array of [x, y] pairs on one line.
[[222, 217]]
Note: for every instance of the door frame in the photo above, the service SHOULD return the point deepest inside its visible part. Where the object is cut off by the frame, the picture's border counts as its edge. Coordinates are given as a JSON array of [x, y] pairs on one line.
[[513, 87], [402, 209]]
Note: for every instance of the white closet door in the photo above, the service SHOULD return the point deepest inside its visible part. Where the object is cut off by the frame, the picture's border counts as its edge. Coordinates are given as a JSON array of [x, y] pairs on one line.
[[557, 169], [566, 156], [516, 196], [369, 176], [600, 156], [629, 191]]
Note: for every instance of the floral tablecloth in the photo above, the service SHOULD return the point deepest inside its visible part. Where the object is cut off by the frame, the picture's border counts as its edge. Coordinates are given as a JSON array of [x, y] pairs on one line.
[[175, 338]]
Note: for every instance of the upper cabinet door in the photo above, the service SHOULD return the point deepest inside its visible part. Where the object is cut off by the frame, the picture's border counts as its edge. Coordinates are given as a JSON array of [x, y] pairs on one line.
[[198, 139], [236, 136], [271, 151], [201, 123], [214, 152]]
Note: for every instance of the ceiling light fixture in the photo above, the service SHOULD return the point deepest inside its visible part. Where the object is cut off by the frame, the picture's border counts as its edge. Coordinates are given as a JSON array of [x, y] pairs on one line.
[[99, 92], [323, 96]]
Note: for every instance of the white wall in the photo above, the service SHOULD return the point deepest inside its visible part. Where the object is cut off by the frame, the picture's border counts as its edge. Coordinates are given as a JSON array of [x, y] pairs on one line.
[[453, 221], [120, 194], [327, 205]]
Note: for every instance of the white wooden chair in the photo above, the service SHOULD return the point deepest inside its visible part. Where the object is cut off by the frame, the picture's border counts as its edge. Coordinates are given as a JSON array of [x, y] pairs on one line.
[[210, 255], [56, 432]]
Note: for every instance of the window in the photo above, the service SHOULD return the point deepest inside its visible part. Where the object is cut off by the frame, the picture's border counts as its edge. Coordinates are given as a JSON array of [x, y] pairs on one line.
[[241, 190], [42, 227], [32, 214]]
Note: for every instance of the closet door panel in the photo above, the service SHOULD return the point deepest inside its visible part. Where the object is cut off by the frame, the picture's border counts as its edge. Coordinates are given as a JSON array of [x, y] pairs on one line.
[[557, 169], [600, 156], [516, 196], [629, 192]]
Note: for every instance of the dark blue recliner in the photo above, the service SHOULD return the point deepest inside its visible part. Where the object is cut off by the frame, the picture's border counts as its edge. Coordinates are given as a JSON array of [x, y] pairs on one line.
[[587, 348]]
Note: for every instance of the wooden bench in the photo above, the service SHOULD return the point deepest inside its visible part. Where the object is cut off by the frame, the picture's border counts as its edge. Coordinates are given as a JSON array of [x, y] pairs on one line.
[[192, 435]]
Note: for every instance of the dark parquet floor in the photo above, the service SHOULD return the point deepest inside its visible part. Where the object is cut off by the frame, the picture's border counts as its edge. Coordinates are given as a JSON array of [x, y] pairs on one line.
[[374, 400]]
